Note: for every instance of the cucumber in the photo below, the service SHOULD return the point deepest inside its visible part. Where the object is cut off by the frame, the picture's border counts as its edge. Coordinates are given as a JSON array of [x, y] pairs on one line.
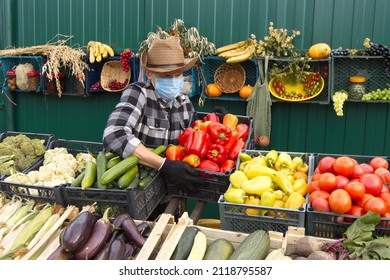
[[119, 169], [77, 181], [184, 246], [101, 167], [145, 181], [110, 155], [153, 172], [113, 161], [199, 247], [219, 249], [134, 183], [126, 178], [159, 150], [254, 247], [143, 173], [90, 175]]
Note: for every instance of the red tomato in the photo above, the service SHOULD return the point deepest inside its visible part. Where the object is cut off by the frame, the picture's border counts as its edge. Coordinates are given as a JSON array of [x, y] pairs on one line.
[[377, 162], [321, 204], [356, 190], [327, 181], [354, 211], [319, 193], [326, 164], [375, 204], [340, 201], [382, 172], [386, 199], [315, 177], [385, 189], [358, 172], [366, 197], [341, 181], [373, 183], [316, 171], [344, 165], [313, 186], [367, 168]]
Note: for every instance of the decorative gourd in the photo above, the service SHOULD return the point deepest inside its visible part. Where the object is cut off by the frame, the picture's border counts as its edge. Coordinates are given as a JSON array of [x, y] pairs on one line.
[[245, 91], [213, 90], [320, 50]]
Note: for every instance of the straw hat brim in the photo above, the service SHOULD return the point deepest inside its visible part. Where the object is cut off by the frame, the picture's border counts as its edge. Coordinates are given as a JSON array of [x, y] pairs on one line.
[[188, 64]]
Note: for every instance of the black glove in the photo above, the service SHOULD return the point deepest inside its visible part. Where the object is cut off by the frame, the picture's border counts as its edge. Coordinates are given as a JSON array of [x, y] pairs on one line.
[[220, 111], [180, 174]]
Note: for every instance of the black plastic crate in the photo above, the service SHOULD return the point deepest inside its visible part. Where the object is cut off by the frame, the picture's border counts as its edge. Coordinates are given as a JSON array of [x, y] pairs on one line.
[[215, 183], [11, 62], [331, 224], [316, 65], [48, 138], [210, 65], [371, 67]]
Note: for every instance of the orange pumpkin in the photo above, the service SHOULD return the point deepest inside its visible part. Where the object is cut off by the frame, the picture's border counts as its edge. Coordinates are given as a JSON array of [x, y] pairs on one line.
[[213, 90], [320, 50], [245, 91]]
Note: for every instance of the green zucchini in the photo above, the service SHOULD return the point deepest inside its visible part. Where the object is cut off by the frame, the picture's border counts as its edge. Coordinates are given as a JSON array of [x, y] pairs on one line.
[[254, 247], [90, 175], [119, 169], [134, 183], [113, 161], [145, 181], [184, 246], [77, 181], [219, 249], [101, 167], [125, 180]]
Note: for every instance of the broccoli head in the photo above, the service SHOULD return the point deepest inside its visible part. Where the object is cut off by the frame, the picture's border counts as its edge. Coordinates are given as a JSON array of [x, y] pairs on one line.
[[27, 148], [38, 146]]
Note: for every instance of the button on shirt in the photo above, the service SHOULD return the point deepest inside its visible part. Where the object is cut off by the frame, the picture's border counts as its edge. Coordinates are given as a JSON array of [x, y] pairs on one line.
[[142, 117]]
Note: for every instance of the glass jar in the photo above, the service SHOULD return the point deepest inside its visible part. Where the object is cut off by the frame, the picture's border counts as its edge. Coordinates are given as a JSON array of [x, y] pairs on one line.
[[356, 87], [33, 80], [11, 79], [50, 83]]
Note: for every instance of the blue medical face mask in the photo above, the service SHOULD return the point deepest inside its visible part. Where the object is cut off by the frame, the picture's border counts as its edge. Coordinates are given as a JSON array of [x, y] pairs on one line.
[[169, 88]]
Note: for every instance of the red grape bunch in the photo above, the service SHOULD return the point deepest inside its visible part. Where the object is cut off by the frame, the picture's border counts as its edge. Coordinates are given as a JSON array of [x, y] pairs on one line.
[[124, 59]]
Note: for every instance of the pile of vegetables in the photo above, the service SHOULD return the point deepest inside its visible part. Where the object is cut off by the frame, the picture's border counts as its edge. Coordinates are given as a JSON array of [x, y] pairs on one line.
[[274, 180], [211, 143], [19, 152]]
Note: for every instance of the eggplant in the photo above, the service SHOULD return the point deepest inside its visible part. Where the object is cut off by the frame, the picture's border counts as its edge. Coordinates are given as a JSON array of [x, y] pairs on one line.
[[99, 236], [132, 233], [129, 251], [60, 254], [117, 250], [103, 254], [78, 231], [144, 228]]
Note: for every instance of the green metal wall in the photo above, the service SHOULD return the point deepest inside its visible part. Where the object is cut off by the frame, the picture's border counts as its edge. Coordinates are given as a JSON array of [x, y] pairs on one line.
[[364, 129]]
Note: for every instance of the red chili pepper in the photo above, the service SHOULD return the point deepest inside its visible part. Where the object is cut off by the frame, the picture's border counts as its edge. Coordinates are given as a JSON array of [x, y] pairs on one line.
[[208, 165], [192, 159], [243, 130], [219, 133], [232, 140], [174, 152], [216, 153], [235, 150], [197, 143], [184, 135], [211, 117], [227, 165]]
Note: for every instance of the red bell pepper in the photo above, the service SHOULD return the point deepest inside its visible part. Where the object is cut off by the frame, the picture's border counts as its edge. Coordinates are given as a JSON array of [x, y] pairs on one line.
[[208, 165], [243, 130], [232, 140], [184, 136], [216, 153], [211, 117], [197, 143], [174, 152], [227, 165], [192, 159], [219, 133], [235, 150]]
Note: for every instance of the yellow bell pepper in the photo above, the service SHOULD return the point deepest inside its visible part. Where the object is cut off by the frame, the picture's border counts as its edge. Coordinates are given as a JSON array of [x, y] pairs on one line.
[[271, 157], [267, 200], [278, 203], [284, 161], [282, 181], [252, 200], [278, 194], [237, 178], [296, 161], [294, 201], [254, 170], [257, 185], [259, 160], [235, 195], [244, 157], [300, 186]]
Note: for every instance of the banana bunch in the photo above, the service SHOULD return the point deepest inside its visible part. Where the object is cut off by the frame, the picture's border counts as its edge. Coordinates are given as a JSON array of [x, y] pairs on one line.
[[237, 52], [98, 51]]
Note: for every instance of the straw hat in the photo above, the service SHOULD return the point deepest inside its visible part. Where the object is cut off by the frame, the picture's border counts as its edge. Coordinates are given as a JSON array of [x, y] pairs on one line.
[[166, 56]]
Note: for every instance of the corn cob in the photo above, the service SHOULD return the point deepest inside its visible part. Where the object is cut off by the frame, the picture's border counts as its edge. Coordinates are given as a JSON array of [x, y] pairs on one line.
[[45, 228], [33, 227], [11, 209]]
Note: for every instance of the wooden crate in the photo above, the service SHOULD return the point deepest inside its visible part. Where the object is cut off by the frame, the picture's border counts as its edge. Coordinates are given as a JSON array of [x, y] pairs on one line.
[[166, 234]]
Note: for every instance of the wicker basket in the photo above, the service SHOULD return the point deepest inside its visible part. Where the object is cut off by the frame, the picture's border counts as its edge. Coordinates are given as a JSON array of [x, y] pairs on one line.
[[112, 70], [230, 77]]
